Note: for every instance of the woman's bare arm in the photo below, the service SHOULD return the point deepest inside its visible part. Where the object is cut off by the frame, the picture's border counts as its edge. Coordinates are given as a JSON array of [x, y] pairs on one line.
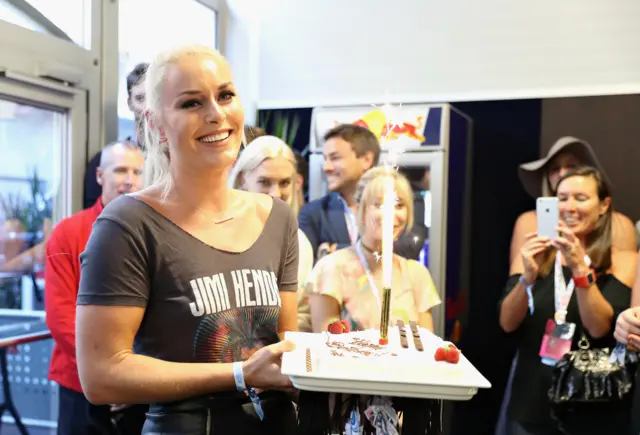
[[623, 233], [425, 320], [513, 309], [525, 224], [288, 318], [111, 373], [596, 313], [635, 290], [514, 306], [323, 308]]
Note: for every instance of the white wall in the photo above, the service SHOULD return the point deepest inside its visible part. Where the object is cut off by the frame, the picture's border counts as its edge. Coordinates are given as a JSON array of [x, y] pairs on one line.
[[325, 52], [239, 41]]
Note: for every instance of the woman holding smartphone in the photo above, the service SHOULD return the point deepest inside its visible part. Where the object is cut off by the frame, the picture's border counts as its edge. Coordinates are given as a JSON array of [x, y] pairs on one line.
[[577, 279], [540, 179]]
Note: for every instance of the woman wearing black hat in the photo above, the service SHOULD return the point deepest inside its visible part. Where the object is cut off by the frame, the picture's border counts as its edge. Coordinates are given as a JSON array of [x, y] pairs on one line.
[[540, 178], [576, 283]]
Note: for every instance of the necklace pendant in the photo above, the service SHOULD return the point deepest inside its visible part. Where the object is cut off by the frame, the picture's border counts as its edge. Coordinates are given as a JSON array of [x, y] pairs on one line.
[[221, 221]]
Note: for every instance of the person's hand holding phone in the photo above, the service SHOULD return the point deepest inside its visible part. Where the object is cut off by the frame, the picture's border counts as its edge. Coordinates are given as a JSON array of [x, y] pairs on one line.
[[531, 253], [571, 249]]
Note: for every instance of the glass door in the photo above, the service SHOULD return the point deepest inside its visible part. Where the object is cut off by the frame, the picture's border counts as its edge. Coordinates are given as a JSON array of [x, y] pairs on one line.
[[42, 152], [43, 146]]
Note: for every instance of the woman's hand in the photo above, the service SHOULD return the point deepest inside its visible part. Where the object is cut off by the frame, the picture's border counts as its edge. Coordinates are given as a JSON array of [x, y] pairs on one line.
[[628, 328], [530, 252], [571, 248], [262, 370]]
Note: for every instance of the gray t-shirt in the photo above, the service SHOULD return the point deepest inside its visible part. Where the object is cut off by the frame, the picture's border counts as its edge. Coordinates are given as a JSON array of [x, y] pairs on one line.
[[202, 304]]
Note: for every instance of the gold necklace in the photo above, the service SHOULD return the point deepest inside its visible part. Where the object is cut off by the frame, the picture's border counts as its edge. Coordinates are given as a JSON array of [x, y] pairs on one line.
[[218, 221]]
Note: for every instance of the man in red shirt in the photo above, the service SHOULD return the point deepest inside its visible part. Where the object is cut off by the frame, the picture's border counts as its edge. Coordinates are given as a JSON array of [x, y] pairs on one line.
[[119, 172]]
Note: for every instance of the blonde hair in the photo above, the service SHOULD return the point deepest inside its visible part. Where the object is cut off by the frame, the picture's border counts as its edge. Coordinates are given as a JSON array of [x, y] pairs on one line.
[[156, 169], [371, 188], [259, 150]]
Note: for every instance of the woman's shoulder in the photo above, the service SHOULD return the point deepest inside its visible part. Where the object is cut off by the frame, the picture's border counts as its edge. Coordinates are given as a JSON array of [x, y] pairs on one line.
[[337, 260], [527, 221], [624, 265], [415, 268], [265, 205], [131, 210], [624, 232]]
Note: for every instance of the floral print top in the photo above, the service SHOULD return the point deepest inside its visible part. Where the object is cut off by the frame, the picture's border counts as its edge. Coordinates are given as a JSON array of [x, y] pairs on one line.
[[342, 276]]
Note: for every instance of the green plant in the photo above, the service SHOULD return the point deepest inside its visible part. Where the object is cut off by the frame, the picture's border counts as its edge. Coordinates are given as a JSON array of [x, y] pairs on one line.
[[32, 212], [284, 127], [13, 207]]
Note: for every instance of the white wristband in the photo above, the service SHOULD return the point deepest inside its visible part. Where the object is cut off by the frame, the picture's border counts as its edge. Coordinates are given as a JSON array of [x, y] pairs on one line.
[[238, 376]]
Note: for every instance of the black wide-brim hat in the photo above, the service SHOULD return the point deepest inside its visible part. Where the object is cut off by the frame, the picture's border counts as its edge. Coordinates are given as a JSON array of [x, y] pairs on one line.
[[531, 173]]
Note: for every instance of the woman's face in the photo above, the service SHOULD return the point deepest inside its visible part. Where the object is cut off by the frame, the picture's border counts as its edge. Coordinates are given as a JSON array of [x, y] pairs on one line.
[[373, 219], [559, 166], [274, 176], [201, 115], [580, 207]]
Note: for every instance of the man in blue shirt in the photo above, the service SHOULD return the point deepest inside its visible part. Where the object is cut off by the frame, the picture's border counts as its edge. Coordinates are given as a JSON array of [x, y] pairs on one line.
[[329, 222]]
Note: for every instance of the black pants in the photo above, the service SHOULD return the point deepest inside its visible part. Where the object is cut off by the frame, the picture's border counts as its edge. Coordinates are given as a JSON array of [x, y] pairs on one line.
[[77, 416], [223, 416]]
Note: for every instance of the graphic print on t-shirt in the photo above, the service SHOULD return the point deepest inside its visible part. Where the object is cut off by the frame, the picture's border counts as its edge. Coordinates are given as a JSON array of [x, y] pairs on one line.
[[238, 319]]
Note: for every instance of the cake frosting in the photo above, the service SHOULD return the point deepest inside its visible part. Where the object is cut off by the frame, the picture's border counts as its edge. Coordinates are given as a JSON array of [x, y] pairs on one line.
[[360, 353]]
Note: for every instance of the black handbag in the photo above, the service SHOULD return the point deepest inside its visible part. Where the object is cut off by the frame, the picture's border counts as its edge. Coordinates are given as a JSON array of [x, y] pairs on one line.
[[590, 375]]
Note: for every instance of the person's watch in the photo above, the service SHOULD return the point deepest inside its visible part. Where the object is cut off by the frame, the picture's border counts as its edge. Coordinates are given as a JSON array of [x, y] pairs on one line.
[[584, 281]]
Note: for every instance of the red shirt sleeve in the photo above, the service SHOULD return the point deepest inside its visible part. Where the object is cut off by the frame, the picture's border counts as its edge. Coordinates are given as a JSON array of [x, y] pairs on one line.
[[61, 289]]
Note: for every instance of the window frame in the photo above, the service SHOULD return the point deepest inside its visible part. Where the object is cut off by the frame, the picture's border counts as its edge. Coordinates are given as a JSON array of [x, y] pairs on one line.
[[71, 102], [111, 60]]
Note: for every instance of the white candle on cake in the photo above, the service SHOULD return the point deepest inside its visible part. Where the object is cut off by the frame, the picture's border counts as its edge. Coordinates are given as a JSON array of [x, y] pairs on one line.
[[388, 216]]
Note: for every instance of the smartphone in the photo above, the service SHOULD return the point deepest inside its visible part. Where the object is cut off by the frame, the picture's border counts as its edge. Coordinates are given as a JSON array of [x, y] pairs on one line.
[[548, 217]]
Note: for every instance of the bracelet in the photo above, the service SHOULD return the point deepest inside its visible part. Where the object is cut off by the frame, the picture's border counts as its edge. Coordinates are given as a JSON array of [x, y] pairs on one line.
[[528, 288], [238, 377], [523, 281]]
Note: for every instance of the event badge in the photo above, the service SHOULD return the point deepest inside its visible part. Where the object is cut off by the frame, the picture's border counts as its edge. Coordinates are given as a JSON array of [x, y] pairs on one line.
[[556, 341]]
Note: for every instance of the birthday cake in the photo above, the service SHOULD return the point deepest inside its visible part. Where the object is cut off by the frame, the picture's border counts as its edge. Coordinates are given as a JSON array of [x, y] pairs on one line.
[[412, 350]]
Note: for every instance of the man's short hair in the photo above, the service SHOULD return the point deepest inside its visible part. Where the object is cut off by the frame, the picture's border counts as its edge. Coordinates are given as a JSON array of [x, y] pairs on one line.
[[136, 76], [362, 140], [128, 144]]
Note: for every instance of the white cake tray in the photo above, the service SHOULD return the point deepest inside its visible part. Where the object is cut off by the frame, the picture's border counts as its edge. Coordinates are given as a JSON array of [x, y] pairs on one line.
[[394, 382]]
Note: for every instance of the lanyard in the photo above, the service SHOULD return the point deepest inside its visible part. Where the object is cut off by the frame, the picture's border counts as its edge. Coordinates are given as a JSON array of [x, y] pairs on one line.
[[350, 217], [350, 220], [367, 270], [562, 291]]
